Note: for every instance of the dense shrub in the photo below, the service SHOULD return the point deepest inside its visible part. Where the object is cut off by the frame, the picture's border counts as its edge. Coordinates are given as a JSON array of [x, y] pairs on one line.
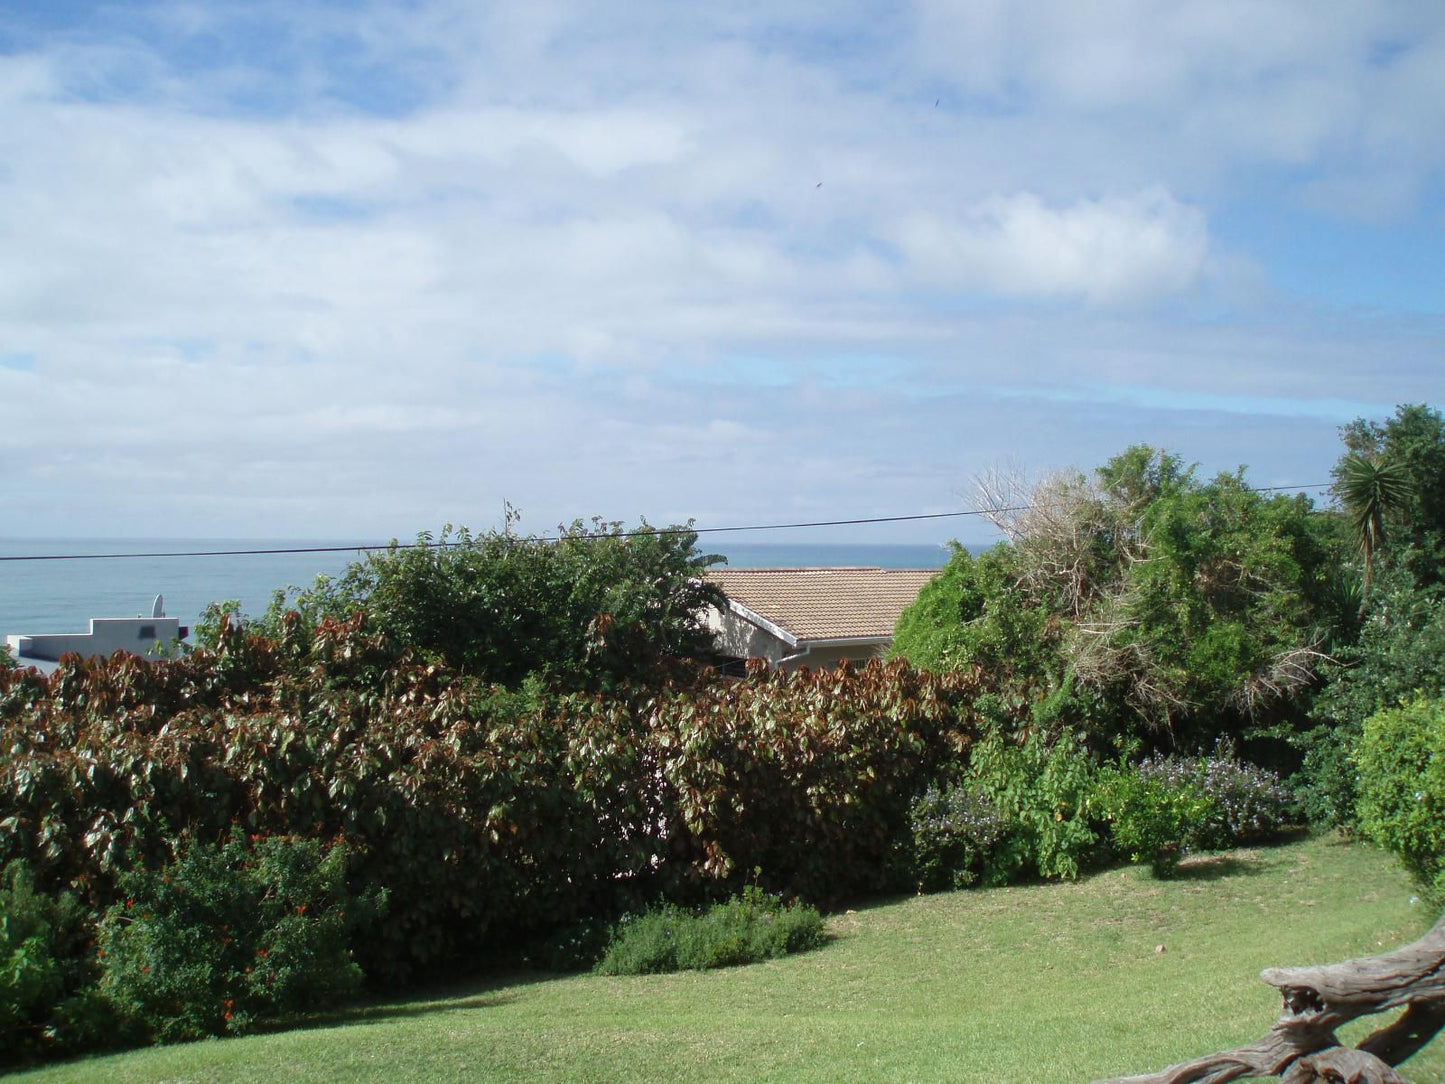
[[487, 815], [807, 775], [1324, 785], [226, 937], [745, 929], [1401, 760], [593, 608], [1141, 605], [1398, 654], [1164, 808], [954, 832], [48, 1000], [1152, 816], [1042, 790]]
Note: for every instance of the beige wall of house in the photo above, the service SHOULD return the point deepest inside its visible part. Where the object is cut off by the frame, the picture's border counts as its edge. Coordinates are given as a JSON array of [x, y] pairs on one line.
[[832, 656], [743, 640]]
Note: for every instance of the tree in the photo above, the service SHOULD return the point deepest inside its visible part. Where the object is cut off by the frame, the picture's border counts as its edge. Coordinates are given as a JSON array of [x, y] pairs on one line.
[[596, 606], [1371, 490], [1390, 484], [1410, 449], [1141, 602]]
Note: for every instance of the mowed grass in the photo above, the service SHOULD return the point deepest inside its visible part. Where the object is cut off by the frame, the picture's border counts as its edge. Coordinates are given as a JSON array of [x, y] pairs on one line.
[[1036, 983]]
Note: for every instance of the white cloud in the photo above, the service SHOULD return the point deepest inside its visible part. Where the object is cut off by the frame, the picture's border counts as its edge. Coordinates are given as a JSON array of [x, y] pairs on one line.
[[1113, 250], [1193, 94], [524, 273]]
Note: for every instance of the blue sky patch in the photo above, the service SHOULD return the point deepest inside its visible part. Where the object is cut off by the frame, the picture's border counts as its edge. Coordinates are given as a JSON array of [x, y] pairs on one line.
[[20, 363]]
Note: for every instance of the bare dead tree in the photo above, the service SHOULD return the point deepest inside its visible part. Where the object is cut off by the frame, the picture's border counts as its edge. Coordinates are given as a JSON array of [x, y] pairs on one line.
[[1065, 529], [1302, 1047]]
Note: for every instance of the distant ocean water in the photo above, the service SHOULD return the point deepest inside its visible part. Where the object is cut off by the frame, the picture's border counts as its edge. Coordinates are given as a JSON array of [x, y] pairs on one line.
[[62, 595]]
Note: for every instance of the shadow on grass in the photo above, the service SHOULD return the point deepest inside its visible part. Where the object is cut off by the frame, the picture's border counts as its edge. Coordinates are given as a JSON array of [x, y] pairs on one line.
[[359, 1015], [870, 903], [460, 996], [1216, 867]]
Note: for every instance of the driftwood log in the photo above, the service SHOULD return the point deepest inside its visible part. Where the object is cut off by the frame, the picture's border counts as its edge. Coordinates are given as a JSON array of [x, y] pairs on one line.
[[1302, 1048]]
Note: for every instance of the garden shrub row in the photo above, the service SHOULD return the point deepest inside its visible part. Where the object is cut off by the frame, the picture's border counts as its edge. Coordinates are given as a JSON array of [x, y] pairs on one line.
[[483, 815], [285, 790], [1026, 809]]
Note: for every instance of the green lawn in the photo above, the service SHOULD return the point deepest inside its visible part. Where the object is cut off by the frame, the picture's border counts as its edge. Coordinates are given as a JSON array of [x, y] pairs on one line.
[[1040, 983]]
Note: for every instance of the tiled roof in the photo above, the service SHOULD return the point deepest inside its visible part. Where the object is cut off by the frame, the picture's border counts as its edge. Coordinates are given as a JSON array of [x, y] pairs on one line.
[[825, 603]]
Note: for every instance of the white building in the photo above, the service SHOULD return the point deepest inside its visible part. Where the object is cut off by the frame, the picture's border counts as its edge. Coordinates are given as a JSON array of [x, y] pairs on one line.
[[140, 635]]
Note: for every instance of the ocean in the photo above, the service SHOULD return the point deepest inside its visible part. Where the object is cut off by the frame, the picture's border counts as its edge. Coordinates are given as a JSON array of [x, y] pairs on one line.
[[62, 595]]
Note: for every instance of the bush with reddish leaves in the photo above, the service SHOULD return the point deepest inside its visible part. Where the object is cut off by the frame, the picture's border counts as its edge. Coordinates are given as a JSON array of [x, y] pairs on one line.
[[484, 814]]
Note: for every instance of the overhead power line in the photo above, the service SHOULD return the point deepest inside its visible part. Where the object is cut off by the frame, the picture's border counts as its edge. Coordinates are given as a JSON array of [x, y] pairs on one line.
[[640, 532]]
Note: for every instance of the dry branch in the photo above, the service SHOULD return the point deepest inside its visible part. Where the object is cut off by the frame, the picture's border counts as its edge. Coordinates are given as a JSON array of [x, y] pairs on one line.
[[1302, 1048]]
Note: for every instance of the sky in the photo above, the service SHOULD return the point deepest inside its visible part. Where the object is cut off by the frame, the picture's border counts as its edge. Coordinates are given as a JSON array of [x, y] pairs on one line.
[[357, 270]]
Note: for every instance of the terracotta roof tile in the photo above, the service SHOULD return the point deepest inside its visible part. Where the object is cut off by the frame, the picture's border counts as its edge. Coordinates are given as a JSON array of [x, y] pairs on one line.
[[825, 603]]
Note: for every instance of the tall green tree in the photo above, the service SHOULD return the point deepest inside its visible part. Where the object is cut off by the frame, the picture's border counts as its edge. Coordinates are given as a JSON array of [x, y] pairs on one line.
[[1141, 604], [1390, 484], [593, 607], [1371, 490], [1411, 446]]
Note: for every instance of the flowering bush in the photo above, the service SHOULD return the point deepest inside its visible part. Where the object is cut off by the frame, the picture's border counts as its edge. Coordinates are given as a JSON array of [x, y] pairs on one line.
[[1162, 809], [954, 833], [1250, 804]]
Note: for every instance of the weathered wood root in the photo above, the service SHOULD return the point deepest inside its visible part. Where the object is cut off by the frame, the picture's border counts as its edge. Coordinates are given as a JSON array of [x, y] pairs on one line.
[[1302, 1048]]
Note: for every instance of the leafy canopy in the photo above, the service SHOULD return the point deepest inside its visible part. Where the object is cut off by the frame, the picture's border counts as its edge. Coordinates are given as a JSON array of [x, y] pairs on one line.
[[1137, 604], [597, 606], [1391, 483]]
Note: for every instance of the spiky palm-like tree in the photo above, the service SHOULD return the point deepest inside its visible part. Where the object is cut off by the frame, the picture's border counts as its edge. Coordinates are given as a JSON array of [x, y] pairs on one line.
[[1370, 488]]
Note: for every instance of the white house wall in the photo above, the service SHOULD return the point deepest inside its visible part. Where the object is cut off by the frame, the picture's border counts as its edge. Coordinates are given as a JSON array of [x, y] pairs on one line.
[[107, 635]]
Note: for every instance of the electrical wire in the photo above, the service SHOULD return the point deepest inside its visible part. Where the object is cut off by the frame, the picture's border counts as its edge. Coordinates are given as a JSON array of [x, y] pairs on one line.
[[640, 532]]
